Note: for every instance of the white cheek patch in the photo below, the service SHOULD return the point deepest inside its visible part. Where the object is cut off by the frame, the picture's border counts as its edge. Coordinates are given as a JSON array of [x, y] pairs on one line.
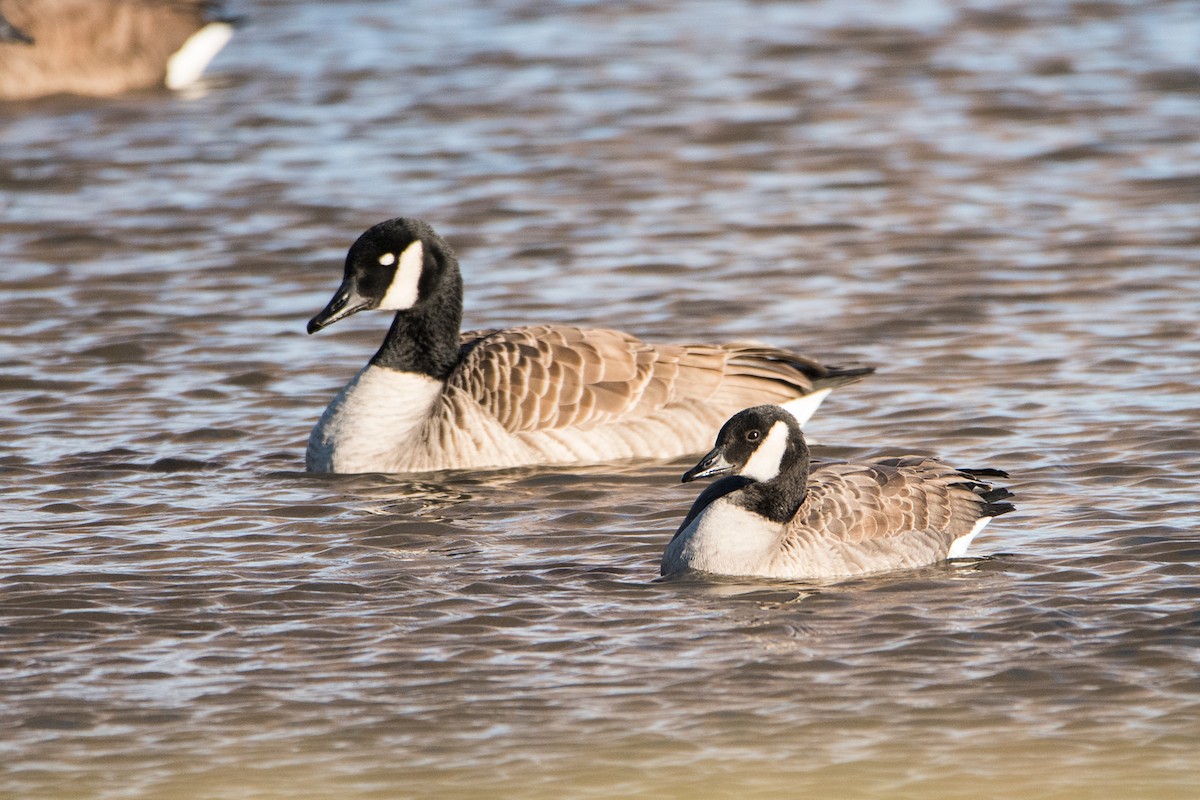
[[403, 291], [764, 463]]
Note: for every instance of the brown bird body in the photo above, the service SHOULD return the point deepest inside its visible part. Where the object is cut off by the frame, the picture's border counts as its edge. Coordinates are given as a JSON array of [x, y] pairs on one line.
[[105, 47], [889, 513]]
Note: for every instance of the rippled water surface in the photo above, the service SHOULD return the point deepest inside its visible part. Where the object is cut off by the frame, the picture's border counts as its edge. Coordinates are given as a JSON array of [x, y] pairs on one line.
[[996, 205]]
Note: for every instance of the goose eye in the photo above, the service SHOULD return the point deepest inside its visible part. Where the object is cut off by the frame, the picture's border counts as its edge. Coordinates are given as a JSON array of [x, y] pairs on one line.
[[753, 435]]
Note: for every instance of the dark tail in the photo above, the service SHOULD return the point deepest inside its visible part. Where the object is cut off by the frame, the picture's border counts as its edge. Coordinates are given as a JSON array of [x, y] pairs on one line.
[[834, 377], [992, 496]]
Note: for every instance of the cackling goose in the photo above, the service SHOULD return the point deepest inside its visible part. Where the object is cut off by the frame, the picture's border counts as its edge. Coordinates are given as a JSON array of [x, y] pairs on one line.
[[777, 516], [432, 398]]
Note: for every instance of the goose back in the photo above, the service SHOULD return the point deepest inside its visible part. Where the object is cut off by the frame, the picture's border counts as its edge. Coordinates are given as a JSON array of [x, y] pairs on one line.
[[885, 514]]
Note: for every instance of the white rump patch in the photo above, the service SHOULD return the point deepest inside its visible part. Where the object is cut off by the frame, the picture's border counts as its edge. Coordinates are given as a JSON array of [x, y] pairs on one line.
[[387, 259], [958, 548], [202, 47], [402, 293], [804, 407], [767, 458]]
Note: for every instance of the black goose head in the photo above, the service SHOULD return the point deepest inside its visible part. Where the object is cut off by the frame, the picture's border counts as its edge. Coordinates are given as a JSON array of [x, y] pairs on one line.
[[759, 443], [397, 265]]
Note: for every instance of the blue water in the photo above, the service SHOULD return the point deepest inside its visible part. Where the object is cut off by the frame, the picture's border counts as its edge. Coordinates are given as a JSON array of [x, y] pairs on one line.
[[996, 206]]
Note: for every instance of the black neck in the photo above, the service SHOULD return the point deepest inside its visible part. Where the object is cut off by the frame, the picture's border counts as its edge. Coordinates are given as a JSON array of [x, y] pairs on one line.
[[781, 497], [425, 338]]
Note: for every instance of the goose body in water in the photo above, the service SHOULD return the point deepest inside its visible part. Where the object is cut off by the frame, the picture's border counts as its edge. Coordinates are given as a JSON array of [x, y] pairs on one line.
[[777, 515], [105, 47], [432, 398]]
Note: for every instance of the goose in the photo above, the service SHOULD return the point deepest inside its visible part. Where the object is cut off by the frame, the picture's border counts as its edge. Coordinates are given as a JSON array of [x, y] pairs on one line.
[[105, 47], [432, 398], [777, 515]]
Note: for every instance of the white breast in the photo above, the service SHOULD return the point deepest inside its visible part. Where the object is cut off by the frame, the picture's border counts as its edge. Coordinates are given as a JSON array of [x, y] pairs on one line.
[[724, 539], [372, 421]]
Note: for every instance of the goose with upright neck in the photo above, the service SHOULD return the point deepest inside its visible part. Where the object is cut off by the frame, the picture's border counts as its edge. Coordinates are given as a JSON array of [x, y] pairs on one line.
[[778, 515], [433, 398]]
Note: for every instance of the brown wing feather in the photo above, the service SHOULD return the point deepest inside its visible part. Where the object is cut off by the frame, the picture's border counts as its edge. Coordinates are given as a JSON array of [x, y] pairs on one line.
[[885, 513], [553, 376], [94, 48]]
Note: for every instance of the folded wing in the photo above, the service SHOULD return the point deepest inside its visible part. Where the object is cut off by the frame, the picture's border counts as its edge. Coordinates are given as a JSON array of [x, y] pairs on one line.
[[889, 513], [552, 377]]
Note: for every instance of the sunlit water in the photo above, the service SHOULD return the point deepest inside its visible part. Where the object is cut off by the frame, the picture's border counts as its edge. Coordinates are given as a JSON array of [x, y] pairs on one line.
[[996, 207]]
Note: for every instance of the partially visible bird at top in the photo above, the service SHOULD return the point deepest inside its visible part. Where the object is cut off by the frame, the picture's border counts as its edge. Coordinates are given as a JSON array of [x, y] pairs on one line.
[[106, 47]]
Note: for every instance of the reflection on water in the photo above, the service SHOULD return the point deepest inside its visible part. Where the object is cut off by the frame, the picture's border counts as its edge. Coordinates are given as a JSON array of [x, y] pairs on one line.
[[995, 206]]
